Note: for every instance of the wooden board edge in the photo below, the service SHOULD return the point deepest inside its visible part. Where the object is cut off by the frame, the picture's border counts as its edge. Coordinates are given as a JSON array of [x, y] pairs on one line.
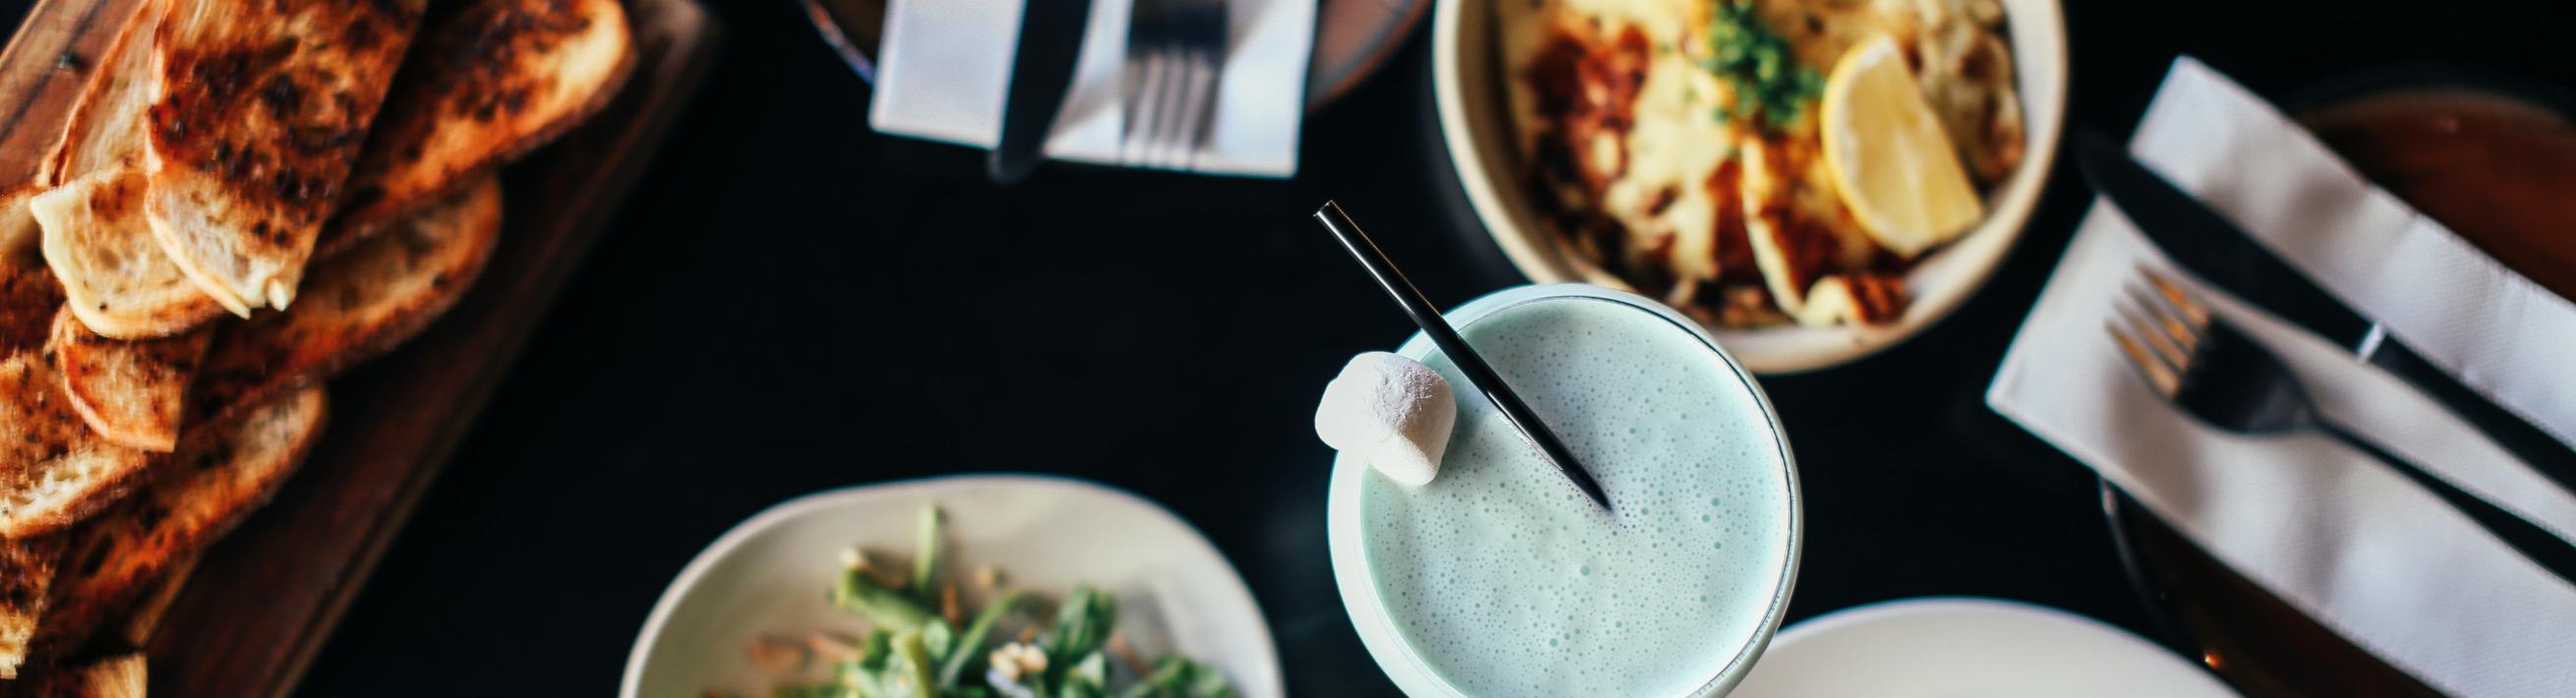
[[48, 64], [655, 102], [661, 116]]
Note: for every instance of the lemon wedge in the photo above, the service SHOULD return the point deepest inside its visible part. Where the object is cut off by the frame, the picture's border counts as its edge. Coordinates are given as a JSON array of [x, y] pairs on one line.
[[1888, 155]]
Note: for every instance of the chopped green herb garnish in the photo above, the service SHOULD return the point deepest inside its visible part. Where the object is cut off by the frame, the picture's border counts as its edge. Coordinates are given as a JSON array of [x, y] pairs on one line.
[[1770, 84]]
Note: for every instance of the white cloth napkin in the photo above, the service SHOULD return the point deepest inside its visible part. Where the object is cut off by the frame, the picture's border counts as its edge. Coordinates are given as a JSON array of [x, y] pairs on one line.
[[945, 65], [2357, 546]]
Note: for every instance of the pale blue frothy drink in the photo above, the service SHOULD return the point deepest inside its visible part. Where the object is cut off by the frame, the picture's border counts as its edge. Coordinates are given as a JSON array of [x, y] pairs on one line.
[[1499, 578]]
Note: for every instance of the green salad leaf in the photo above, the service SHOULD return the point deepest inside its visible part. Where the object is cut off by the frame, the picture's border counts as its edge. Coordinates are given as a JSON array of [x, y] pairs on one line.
[[912, 652], [887, 609]]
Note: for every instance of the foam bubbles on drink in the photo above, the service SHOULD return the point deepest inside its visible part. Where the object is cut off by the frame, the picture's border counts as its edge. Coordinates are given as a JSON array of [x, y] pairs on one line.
[[1507, 581]]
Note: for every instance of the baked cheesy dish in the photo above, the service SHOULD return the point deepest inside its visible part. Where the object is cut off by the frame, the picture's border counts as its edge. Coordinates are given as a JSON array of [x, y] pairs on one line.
[[1758, 162]]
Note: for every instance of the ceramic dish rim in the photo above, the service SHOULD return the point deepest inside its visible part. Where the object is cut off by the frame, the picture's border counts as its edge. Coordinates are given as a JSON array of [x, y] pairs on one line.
[[630, 681], [1766, 350]]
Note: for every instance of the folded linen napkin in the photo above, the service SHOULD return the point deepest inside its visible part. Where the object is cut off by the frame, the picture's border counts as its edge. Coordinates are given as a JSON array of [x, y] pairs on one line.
[[945, 66], [2381, 561]]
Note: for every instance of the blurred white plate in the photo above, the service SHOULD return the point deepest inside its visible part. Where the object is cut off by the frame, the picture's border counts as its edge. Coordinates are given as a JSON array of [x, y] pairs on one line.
[[1949, 647], [768, 575]]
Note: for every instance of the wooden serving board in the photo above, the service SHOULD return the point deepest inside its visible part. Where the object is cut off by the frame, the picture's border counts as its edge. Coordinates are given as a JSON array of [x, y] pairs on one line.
[[263, 600]]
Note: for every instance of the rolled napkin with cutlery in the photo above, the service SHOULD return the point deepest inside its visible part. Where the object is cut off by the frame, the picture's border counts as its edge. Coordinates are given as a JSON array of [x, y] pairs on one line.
[[945, 74], [2356, 545]]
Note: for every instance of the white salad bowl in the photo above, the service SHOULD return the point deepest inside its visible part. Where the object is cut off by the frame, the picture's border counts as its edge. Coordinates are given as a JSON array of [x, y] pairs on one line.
[[769, 574]]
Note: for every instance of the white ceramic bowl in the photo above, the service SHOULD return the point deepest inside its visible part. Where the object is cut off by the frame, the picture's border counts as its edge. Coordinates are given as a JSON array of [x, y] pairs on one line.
[[1046, 534], [1475, 119], [1346, 532]]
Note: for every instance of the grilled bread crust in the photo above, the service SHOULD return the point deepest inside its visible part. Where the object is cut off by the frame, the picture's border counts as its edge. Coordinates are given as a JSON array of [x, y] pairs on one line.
[[119, 676], [18, 231], [53, 469], [94, 233], [105, 128], [120, 282], [228, 155], [358, 305], [482, 88], [256, 411], [258, 110], [195, 496], [130, 392], [144, 616], [26, 581], [25, 293]]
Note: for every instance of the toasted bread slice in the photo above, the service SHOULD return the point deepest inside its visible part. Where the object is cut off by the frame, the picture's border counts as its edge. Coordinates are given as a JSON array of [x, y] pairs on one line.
[[26, 563], [105, 128], [53, 469], [18, 231], [26, 292], [119, 676], [482, 88], [26, 580], [258, 111], [145, 615], [358, 305], [215, 480], [119, 281], [130, 392], [95, 235]]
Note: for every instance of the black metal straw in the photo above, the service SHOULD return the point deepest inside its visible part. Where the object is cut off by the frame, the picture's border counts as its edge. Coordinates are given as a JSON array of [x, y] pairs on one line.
[[1446, 337]]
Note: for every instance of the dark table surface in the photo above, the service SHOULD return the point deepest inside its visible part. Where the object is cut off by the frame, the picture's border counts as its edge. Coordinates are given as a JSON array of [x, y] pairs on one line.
[[791, 303]]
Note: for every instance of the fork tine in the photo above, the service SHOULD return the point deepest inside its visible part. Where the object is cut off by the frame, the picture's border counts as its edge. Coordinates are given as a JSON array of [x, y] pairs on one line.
[[1199, 94], [1143, 105], [1173, 101], [2190, 308], [1139, 77], [1163, 47], [1214, 39], [1167, 141], [2159, 376], [1190, 40], [2168, 320], [1174, 50], [2165, 349]]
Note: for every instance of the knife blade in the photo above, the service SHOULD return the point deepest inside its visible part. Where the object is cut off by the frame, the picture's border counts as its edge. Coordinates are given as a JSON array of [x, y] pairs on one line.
[[2213, 248], [1050, 44]]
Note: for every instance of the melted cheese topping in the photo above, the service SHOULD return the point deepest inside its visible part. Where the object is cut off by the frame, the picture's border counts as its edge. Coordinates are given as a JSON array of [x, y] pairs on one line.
[[1665, 194], [1675, 181]]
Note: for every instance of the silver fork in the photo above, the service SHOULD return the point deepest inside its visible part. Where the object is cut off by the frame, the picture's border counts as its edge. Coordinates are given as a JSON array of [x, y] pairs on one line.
[[1175, 53], [2226, 379]]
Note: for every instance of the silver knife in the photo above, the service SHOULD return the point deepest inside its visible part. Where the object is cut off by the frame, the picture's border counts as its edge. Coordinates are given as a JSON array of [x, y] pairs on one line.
[[1041, 70], [2213, 248]]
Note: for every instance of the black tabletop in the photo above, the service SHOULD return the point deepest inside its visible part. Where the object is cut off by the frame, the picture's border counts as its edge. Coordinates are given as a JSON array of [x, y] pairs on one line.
[[791, 302]]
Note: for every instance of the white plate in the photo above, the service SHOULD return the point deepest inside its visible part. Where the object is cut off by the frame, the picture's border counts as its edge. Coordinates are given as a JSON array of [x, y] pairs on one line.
[[769, 574], [1950, 647], [1473, 118]]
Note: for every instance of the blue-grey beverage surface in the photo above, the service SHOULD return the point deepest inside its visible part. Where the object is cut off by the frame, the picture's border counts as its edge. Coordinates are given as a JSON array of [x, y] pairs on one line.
[[1506, 580]]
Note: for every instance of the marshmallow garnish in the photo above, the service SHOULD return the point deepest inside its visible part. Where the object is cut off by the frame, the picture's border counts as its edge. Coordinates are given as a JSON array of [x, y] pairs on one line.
[[1392, 412]]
